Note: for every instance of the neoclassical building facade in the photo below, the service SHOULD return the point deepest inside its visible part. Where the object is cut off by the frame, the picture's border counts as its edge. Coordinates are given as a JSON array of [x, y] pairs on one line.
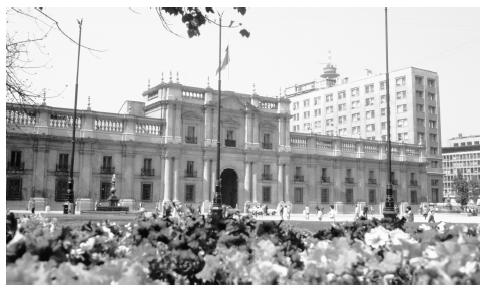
[[165, 149]]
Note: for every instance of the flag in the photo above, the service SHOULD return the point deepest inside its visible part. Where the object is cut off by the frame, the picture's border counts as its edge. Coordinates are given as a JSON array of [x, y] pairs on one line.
[[225, 62]]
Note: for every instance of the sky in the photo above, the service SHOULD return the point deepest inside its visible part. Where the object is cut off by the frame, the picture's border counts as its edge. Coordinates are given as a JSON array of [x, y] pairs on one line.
[[286, 46]]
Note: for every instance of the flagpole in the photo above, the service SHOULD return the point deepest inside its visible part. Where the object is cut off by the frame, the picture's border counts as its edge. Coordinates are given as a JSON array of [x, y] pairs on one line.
[[217, 199]]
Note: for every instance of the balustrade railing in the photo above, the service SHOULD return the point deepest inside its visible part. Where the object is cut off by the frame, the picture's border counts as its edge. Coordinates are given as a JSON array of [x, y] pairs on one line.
[[191, 140], [147, 172], [298, 178], [325, 179], [193, 94], [266, 176], [266, 145], [64, 120], [20, 117], [107, 170], [108, 125], [350, 180], [190, 173], [17, 167], [372, 181], [413, 183], [144, 128], [267, 105], [229, 143]]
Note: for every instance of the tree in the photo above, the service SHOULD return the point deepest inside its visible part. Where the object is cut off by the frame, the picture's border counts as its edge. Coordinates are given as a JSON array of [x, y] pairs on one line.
[[474, 188], [461, 187]]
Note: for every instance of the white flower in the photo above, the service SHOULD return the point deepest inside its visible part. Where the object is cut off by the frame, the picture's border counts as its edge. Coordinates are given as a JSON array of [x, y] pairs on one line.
[[377, 237], [88, 245], [430, 252], [470, 268], [441, 227], [424, 227], [397, 236]]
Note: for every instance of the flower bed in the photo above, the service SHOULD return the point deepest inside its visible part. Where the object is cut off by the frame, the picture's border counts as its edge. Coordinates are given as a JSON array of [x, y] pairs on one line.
[[240, 251]]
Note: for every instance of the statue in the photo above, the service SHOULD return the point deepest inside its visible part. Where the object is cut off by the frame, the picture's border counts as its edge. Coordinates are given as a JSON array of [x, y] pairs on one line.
[[113, 200]]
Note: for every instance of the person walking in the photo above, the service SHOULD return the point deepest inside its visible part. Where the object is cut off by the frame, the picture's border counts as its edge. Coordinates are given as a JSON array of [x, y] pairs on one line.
[[431, 218], [409, 214], [285, 212], [320, 213], [357, 212], [306, 212], [31, 205], [332, 213]]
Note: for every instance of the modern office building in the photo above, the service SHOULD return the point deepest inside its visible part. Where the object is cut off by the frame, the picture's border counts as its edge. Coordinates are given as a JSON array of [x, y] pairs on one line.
[[165, 149], [462, 156]]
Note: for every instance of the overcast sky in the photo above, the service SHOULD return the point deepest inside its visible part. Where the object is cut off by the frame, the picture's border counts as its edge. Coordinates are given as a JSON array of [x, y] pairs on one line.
[[286, 46]]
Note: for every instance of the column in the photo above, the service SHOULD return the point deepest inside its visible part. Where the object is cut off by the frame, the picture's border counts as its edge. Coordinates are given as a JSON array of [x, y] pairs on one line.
[[206, 179], [176, 176], [169, 121], [39, 176], [255, 129], [214, 179], [286, 130], [85, 172], [281, 131], [178, 121], [207, 134], [127, 190], [214, 124], [280, 182], [167, 180], [248, 127], [254, 182], [286, 185], [248, 175], [311, 184]]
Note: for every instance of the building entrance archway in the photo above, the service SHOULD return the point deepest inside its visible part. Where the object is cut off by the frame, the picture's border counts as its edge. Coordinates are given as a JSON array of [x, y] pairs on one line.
[[229, 187]]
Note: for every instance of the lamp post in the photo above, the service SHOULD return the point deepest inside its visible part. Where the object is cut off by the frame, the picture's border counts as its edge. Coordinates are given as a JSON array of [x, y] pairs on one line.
[[70, 182], [217, 199], [389, 210]]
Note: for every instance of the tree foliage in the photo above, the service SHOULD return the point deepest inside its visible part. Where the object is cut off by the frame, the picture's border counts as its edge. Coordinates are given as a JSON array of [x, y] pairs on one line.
[[461, 187]]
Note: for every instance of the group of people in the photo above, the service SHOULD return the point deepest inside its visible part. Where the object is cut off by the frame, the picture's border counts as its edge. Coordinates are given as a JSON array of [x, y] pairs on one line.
[[284, 209], [320, 212]]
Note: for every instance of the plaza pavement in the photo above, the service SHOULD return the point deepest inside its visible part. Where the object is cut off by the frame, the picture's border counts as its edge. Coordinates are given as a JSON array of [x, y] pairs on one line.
[[445, 217]]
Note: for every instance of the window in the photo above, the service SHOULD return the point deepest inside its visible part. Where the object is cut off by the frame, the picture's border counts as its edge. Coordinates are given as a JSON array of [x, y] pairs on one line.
[[329, 123], [431, 83], [298, 195], [402, 123], [306, 114], [295, 128], [147, 163], [348, 173], [296, 117], [190, 172], [107, 161], [433, 137], [342, 107], [401, 108], [307, 126], [230, 134], [370, 114], [324, 195], [355, 130], [295, 105], [370, 127], [402, 136], [420, 122], [191, 131], [306, 103], [433, 150], [383, 126], [342, 119], [432, 109], [432, 124], [382, 85], [16, 159], [341, 95], [369, 101], [413, 197], [355, 104], [146, 189], [324, 173], [355, 117], [372, 196], [317, 112], [329, 132], [434, 182], [317, 124], [342, 131], [267, 138], [355, 92], [317, 100], [14, 189], [401, 95], [329, 109], [63, 161], [329, 97], [434, 164], [349, 195], [267, 169], [400, 81], [420, 108], [383, 99], [431, 96], [418, 80], [371, 174], [266, 194], [189, 193], [105, 188], [369, 88]]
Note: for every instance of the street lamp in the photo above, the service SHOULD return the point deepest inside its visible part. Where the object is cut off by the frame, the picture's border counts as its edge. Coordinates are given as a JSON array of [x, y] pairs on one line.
[[389, 210], [70, 181]]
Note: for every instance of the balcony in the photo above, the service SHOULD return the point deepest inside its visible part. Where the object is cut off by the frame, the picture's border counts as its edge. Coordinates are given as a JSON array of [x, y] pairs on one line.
[[190, 174], [15, 167], [349, 180], [191, 140], [298, 178], [230, 143], [372, 181], [61, 169], [147, 172], [266, 176], [266, 145], [325, 179], [107, 170], [414, 183]]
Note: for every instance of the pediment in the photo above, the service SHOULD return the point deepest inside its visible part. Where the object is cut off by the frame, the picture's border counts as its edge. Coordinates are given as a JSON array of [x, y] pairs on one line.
[[192, 115], [229, 121], [233, 102], [268, 125]]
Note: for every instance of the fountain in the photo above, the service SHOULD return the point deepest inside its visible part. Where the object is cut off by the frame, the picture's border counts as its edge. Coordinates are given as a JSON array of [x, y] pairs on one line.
[[113, 200]]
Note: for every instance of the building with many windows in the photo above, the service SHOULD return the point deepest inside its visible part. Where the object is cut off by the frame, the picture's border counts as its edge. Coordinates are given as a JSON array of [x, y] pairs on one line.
[[462, 156], [165, 149]]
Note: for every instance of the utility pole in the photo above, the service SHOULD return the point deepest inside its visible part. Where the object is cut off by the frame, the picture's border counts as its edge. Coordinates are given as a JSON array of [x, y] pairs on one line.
[[389, 210], [70, 183], [217, 199]]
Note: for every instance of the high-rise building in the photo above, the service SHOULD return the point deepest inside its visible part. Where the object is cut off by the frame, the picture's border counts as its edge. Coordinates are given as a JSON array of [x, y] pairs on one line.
[[462, 156]]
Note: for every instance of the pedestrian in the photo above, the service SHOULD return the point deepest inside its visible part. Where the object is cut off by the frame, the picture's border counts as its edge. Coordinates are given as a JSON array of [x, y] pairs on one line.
[[306, 212], [365, 211], [285, 212], [32, 205], [425, 211], [357, 212], [320, 214], [431, 218], [332, 213], [409, 214]]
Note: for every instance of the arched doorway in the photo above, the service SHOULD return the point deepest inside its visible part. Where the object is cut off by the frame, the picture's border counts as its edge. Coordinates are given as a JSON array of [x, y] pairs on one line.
[[229, 187]]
